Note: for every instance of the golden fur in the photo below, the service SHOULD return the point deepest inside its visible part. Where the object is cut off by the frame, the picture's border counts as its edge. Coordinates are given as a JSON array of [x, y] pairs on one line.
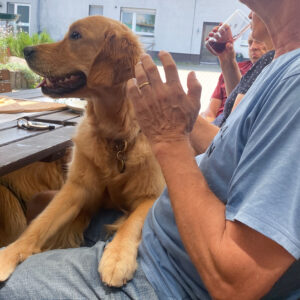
[[106, 52], [24, 184]]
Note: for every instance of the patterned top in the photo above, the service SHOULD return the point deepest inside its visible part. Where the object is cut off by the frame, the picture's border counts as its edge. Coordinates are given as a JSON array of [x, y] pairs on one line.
[[220, 90], [244, 85]]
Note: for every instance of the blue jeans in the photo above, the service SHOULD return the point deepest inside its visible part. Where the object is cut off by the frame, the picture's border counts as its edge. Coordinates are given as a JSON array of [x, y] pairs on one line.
[[294, 296], [72, 273]]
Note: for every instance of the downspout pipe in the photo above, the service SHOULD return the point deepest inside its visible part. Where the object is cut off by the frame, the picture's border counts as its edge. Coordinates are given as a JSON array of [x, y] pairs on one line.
[[38, 16], [193, 28]]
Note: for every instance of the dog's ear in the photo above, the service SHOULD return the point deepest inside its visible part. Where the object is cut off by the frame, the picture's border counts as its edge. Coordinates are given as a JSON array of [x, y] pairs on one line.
[[115, 61]]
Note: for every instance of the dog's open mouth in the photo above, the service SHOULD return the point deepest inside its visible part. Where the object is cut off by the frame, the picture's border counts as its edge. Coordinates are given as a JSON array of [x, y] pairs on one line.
[[63, 85]]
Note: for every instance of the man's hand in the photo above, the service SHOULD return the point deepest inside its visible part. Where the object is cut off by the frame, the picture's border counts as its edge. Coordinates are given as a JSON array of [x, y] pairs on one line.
[[219, 35], [228, 63], [164, 111]]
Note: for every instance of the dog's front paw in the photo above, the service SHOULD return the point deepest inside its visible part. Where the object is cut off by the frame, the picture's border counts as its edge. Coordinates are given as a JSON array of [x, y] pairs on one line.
[[117, 265], [8, 262]]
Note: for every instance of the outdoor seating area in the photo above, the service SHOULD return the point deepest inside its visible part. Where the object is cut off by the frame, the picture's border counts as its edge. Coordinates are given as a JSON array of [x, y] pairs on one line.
[[149, 150]]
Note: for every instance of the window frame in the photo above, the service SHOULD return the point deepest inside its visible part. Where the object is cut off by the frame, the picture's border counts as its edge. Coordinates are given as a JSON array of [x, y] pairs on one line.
[[21, 24], [90, 6], [134, 12]]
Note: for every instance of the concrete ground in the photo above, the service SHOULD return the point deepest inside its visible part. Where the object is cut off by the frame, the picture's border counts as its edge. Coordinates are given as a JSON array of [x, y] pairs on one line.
[[208, 76]]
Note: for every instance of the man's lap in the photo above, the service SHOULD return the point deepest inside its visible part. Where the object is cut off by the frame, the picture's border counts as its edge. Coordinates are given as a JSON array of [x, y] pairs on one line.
[[71, 274]]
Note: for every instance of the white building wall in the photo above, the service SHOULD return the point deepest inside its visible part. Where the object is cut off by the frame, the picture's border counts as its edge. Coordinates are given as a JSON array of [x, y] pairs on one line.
[[178, 26]]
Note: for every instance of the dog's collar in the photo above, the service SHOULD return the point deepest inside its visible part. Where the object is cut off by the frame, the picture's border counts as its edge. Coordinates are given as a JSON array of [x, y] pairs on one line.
[[119, 147]]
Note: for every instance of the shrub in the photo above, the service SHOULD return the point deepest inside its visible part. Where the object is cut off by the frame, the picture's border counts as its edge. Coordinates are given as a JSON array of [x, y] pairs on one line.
[[16, 43], [4, 34]]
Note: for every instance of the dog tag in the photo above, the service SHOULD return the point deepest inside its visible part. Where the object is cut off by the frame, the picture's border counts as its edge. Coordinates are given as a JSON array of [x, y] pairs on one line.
[[121, 163], [120, 147]]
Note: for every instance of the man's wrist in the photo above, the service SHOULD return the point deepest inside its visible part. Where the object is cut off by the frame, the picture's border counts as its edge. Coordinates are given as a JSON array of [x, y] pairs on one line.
[[169, 146], [227, 62]]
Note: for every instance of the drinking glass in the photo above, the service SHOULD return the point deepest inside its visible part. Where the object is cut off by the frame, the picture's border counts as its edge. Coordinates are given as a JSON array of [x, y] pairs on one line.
[[229, 31]]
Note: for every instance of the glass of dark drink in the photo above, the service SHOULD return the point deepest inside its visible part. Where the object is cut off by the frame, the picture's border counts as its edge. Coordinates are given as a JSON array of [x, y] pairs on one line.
[[229, 31]]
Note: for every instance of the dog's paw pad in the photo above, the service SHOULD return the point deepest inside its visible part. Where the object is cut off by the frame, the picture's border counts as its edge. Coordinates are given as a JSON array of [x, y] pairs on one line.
[[117, 267]]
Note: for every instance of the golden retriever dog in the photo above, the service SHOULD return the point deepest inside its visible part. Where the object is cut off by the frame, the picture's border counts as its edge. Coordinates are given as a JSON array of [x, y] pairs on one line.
[[112, 165]]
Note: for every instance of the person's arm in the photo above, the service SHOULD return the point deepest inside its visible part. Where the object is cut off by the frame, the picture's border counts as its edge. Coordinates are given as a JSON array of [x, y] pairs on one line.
[[238, 99], [231, 258], [228, 63], [202, 135], [224, 253], [211, 112], [230, 69], [216, 101]]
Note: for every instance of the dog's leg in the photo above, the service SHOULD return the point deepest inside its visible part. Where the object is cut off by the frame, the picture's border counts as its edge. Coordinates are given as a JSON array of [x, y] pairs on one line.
[[63, 209], [118, 262]]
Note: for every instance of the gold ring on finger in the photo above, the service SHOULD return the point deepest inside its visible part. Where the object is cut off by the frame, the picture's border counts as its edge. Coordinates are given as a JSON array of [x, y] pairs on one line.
[[144, 84]]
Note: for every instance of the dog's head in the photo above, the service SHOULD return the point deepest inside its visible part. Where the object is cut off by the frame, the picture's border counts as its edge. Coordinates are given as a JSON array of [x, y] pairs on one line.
[[96, 53]]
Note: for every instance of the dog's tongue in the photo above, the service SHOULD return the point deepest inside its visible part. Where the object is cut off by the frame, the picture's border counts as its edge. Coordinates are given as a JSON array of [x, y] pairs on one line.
[[42, 83]]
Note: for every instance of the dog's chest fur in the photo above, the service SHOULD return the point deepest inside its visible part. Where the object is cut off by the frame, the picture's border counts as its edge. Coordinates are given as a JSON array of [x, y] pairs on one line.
[[121, 186]]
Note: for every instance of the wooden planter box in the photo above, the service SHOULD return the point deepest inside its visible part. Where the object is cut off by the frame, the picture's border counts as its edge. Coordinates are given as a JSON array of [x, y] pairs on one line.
[[18, 80], [12, 80]]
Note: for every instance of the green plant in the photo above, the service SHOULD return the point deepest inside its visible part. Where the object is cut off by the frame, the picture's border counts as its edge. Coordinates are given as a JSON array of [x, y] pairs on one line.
[[16, 43], [32, 78], [3, 54], [4, 33]]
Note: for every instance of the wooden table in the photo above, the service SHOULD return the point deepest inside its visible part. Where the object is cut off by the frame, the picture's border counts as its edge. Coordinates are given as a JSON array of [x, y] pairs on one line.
[[20, 147]]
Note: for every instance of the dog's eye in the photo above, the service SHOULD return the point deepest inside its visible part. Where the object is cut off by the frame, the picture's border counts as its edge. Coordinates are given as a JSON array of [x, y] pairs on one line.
[[75, 35]]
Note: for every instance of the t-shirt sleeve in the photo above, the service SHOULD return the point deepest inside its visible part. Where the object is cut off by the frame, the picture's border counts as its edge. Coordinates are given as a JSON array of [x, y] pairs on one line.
[[264, 191], [218, 90]]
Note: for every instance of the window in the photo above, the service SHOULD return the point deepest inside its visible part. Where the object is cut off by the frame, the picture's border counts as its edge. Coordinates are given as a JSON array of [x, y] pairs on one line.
[[95, 10], [23, 10], [141, 21]]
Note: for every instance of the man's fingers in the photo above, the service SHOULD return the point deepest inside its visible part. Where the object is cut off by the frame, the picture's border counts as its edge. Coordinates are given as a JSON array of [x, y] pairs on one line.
[[151, 70], [229, 46], [140, 74], [169, 67], [132, 90]]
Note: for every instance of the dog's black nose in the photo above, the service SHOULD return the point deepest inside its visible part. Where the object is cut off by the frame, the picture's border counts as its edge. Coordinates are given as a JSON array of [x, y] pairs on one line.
[[28, 52]]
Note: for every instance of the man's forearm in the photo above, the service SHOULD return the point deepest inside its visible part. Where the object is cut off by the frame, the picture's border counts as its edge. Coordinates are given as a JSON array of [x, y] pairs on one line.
[[227, 270], [231, 73], [198, 213], [202, 135]]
